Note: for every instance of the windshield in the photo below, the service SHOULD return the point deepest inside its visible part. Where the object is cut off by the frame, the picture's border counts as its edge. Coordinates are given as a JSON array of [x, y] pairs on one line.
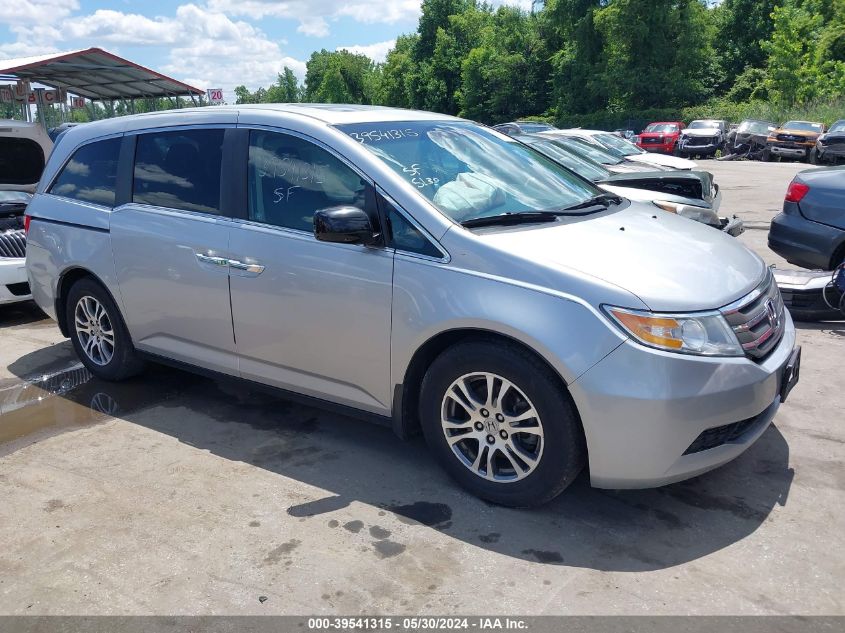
[[839, 126], [534, 127], [802, 125], [662, 128], [755, 127], [580, 164], [618, 146], [469, 171], [700, 125]]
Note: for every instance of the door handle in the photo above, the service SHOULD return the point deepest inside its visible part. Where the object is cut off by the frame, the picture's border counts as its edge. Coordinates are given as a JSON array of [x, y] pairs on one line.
[[212, 259], [255, 269]]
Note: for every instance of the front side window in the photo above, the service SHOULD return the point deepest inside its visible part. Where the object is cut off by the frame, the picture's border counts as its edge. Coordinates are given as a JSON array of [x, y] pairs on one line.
[[91, 173], [404, 236], [179, 170], [291, 178], [469, 171]]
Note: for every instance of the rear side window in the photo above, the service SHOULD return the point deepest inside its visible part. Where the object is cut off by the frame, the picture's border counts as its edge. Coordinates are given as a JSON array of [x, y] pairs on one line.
[[21, 161], [291, 178], [179, 170], [91, 173]]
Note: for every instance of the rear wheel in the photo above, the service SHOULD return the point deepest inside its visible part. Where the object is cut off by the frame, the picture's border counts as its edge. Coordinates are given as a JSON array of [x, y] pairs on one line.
[[813, 157], [501, 423], [98, 333]]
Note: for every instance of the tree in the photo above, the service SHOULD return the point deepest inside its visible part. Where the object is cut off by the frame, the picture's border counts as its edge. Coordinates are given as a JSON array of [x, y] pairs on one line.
[[741, 28], [285, 90], [340, 77], [399, 73]]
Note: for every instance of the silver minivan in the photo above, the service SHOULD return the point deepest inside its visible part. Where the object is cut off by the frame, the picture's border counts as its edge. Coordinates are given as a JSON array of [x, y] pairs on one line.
[[420, 269]]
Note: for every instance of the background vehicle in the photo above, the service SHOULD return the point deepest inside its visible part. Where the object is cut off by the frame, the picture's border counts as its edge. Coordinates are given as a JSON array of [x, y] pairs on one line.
[[55, 132], [831, 145], [624, 149], [690, 194], [24, 148], [749, 137], [14, 286], [523, 127], [810, 232], [612, 162], [417, 269], [703, 137], [793, 139], [660, 136]]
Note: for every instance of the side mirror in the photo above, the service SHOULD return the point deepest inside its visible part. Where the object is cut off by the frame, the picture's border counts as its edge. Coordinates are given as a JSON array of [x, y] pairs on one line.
[[345, 225]]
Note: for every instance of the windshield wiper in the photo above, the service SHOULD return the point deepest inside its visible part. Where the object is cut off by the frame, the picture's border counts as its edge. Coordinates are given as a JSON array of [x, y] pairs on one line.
[[601, 200], [519, 217]]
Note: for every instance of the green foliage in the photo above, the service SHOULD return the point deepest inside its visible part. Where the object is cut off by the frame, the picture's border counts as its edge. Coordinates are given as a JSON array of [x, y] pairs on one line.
[[598, 63]]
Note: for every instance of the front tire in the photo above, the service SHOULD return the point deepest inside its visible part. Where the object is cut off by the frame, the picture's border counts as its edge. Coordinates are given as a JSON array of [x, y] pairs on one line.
[[99, 334], [500, 422]]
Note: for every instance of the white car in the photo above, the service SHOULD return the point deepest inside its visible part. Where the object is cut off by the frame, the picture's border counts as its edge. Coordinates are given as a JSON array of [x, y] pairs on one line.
[[13, 283], [24, 149], [626, 149]]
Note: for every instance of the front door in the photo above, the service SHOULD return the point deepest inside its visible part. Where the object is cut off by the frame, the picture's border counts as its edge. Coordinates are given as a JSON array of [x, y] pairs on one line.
[[309, 316], [170, 246]]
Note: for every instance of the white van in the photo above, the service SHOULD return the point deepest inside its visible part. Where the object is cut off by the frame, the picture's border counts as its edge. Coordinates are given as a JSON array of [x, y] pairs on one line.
[[24, 149]]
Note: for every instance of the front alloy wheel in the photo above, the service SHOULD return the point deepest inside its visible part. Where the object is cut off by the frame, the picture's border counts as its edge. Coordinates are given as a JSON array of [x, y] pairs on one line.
[[94, 330], [492, 427]]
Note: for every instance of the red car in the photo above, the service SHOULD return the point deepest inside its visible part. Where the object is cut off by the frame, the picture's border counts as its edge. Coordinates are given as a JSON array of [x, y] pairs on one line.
[[660, 137]]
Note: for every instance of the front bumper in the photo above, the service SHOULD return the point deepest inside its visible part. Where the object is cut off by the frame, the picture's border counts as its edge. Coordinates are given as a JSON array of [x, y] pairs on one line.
[[836, 150], [13, 283], [663, 148], [791, 151], [704, 150], [643, 409]]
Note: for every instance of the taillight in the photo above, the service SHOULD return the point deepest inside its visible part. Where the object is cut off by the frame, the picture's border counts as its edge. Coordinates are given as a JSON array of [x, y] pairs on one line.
[[26, 224], [796, 191]]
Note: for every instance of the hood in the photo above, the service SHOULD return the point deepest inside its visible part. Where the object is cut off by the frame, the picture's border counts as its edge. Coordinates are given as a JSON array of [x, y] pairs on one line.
[[664, 160], [633, 167], [695, 185], [702, 131], [656, 134], [805, 133], [672, 264]]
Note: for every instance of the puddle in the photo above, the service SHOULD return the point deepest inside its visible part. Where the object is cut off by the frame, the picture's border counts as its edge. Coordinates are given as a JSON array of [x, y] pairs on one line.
[[68, 398]]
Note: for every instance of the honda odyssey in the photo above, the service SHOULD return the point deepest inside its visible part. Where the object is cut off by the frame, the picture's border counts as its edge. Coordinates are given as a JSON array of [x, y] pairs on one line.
[[420, 269]]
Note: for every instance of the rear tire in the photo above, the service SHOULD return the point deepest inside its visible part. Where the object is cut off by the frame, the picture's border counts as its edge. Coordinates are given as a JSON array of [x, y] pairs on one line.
[[813, 157], [98, 332], [522, 443]]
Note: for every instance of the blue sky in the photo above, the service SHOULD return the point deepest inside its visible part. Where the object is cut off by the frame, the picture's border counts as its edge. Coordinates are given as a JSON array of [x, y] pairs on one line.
[[208, 43]]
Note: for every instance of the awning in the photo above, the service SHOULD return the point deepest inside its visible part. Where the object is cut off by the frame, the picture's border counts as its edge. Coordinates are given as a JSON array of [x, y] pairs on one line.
[[96, 74]]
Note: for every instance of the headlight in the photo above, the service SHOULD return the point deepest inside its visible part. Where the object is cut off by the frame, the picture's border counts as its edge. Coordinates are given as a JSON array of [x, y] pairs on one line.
[[699, 214], [703, 333]]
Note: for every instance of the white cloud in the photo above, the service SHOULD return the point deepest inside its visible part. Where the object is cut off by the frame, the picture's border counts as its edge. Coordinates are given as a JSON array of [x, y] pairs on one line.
[[206, 48], [309, 12], [25, 12], [377, 52], [315, 27]]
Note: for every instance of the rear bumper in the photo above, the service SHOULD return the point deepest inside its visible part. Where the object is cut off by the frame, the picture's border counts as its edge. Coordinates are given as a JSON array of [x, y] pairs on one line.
[[13, 283], [803, 242], [652, 418]]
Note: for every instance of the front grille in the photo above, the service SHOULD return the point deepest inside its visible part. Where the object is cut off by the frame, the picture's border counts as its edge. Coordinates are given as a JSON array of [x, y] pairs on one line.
[[791, 137], [758, 319], [810, 299], [652, 141], [836, 140], [711, 438], [13, 244], [701, 140]]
